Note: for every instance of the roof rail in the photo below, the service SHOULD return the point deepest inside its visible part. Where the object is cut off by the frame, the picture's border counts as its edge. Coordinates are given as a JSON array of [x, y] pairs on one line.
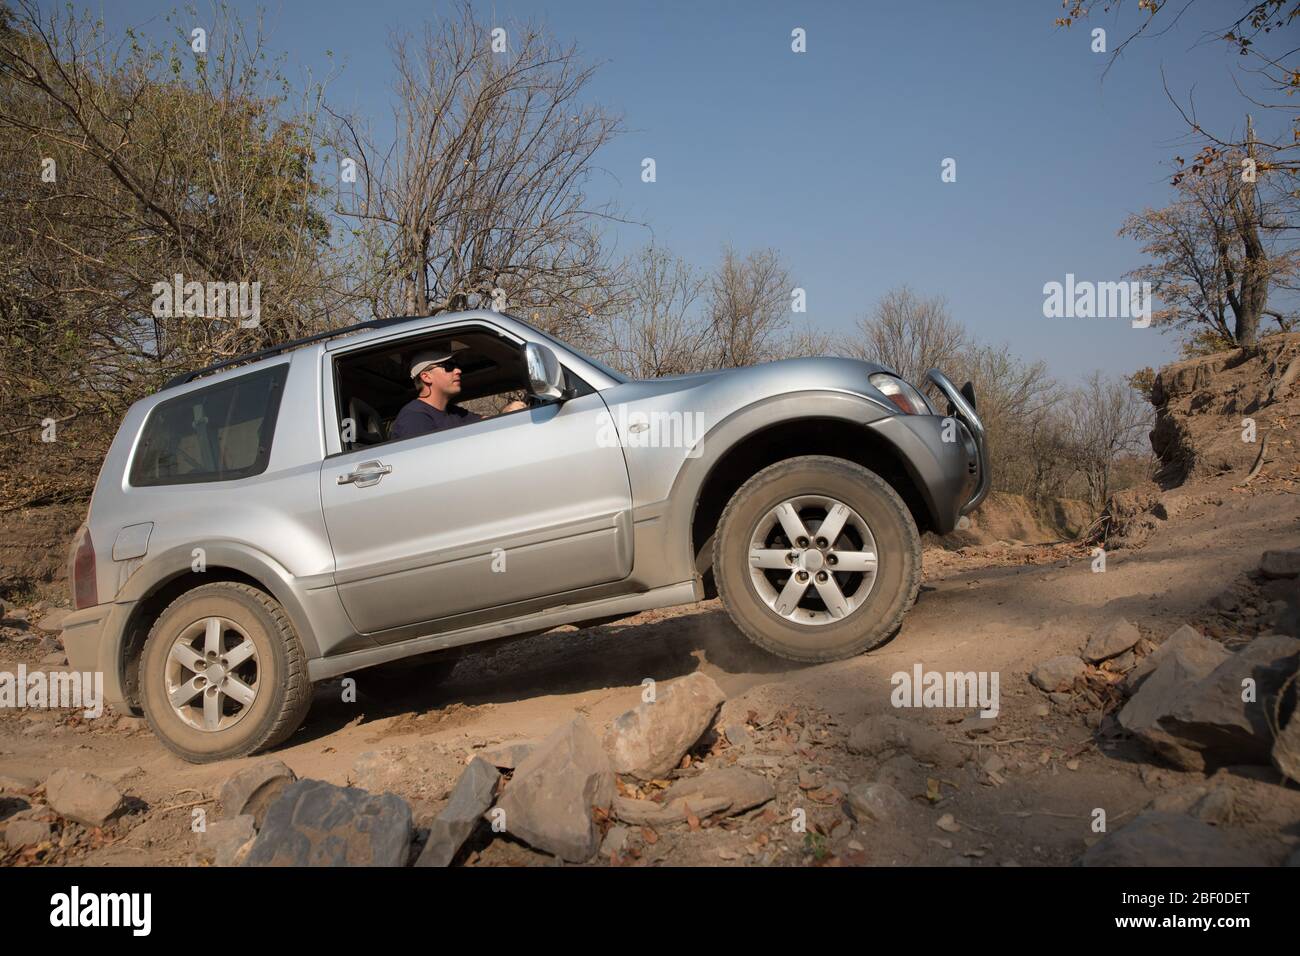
[[186, 377]]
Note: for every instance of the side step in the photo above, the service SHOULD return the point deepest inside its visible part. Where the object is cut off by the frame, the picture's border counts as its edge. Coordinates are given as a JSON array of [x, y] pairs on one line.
[[687, 592]]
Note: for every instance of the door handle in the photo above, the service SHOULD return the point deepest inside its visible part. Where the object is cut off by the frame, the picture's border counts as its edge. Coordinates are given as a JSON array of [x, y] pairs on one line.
[[368, 473]]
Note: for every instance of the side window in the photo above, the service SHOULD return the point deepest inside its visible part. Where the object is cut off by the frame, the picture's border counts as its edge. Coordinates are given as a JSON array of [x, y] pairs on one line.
[[373, 385], [219, 433]]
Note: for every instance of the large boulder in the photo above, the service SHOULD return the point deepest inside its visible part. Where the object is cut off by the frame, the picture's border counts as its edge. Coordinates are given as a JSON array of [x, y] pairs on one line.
[[549, 800], [882, 734], [650, 740], [1211, 721], [1172, 839], [314, 823], [1181, 665], [82, 796], [470, 799], [252, 790]]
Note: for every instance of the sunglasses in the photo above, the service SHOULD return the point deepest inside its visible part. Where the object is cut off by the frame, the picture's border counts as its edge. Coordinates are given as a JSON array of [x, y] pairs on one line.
[[448, 366]]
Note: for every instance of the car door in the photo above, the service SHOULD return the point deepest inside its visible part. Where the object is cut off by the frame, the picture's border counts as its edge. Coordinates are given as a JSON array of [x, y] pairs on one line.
[[480, 516]]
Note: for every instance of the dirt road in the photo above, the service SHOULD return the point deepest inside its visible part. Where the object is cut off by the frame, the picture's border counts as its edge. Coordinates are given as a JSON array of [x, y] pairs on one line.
[[1000, 608]]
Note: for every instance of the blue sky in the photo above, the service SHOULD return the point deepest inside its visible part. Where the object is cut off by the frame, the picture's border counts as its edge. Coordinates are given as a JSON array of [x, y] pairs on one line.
[[833, 156]]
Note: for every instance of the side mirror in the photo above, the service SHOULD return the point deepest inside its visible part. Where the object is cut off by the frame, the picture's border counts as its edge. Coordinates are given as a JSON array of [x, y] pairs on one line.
[[545, 376]]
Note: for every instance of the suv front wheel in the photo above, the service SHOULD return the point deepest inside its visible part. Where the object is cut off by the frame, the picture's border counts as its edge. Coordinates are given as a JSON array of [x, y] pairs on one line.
[[223, 674], [817, 559]]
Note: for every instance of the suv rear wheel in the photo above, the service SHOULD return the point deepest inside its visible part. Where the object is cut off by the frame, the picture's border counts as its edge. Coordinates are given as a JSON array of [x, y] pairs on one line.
[[817, 559], [223, 674]]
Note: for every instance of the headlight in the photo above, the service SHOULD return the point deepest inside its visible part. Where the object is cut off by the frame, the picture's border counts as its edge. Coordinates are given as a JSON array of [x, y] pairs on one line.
[[907, 398]]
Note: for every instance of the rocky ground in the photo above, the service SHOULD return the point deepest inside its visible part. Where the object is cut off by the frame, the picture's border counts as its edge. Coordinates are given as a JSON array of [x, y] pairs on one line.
[[1145, 717]]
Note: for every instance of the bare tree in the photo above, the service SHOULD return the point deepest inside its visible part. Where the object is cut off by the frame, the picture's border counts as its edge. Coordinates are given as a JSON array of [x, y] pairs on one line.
[[1216, 255], [1260, 32], [1110, 420], [483, 191], [659, 331], [747, 304], [910, 334]]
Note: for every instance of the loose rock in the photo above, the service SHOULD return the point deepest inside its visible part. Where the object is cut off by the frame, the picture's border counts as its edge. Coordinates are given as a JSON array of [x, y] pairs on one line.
[[1169, 839], [227, 842], [883, 733], [470, 799], [1116, 638], [743, 790], [1211, 723], [314, 823], [82, 797], [1280, 564], [508, 756], [255, 788], [1058, 674], [549, 800], [878, 802], [650, 740], [21, 833]]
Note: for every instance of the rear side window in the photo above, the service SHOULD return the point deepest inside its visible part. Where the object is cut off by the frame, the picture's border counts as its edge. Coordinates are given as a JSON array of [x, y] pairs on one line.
[[219, 433]]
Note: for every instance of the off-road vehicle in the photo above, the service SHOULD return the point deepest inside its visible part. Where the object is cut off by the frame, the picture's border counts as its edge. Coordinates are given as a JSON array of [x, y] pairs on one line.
[[254, 528]]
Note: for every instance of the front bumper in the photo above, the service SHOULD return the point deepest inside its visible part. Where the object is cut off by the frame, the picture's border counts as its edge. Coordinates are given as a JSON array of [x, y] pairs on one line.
[[964, 411], [945, 456]]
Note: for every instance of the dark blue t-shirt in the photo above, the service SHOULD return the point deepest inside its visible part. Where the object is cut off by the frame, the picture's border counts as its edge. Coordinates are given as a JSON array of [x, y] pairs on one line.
[[421, 418]]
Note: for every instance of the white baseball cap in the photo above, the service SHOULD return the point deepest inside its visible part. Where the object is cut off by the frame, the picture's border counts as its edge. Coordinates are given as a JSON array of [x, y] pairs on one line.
[[422, 360]]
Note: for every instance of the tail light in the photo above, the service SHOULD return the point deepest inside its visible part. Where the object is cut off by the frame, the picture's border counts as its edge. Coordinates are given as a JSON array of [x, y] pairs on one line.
[[81, 571]]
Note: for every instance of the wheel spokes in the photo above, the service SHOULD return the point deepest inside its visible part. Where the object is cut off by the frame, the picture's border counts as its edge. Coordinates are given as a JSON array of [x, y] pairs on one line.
[[790, 521], [236, 688], [212, 709], [240, 654], [188, 657], [864, 561], [803, 536], [771, 559], [833, 597], [186, 692], [787, 601], [835, 519], [212, 636]]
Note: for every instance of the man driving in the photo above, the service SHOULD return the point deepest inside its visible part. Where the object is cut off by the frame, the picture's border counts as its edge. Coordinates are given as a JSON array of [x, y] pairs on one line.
[[437, 376]]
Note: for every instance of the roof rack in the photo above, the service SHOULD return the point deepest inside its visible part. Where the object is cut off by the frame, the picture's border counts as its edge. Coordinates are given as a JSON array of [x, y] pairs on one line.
[[186, 377]]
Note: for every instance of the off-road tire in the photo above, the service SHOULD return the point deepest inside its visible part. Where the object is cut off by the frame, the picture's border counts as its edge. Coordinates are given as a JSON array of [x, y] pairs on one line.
[[898, 546], [284, 689]]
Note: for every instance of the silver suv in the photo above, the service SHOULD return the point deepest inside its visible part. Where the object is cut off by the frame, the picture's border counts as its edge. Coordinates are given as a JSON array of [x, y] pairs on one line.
[[255, 528]]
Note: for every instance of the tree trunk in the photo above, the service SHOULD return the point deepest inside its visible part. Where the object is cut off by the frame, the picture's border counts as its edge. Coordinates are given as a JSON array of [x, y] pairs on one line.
[[1254, 273]]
